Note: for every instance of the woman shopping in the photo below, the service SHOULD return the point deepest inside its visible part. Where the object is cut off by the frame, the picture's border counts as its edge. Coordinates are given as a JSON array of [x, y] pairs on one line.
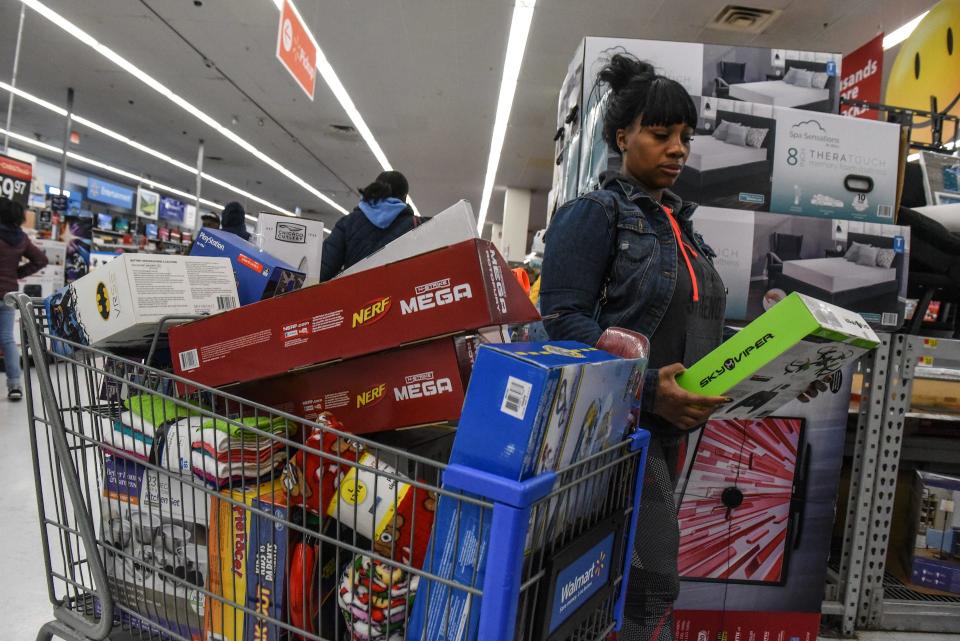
[[14, 246], [627, 255]]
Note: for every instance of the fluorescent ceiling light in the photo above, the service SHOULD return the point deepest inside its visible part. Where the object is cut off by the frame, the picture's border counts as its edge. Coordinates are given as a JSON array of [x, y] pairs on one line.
[[110, 168], [900, 34], [141, 147], [516, 44], [340, 92], [56, 191], [178, 100]]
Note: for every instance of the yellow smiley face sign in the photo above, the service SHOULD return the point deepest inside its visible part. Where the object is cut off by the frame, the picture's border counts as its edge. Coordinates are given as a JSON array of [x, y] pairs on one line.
[[928, 64]]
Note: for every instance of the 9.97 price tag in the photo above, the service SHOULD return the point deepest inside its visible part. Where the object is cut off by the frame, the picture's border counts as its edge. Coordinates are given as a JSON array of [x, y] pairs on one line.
[[15, 177]]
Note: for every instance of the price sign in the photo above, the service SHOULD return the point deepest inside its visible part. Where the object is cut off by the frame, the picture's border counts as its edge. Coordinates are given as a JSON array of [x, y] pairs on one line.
[[59, 204], [15, 177]]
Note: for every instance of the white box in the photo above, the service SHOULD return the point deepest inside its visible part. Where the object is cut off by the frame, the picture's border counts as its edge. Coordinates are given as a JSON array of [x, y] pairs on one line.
[[121, 303], [451, 226], [296, 241]]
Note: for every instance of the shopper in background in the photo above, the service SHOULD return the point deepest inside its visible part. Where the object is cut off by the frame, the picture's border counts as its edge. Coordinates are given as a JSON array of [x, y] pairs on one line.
[[626, 255], [14, 246], [211, 221], [381, 217], [233, 219]]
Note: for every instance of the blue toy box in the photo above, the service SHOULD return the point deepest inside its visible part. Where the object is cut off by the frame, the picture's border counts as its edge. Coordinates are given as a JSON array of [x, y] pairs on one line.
[[530, 408], [259, 275]]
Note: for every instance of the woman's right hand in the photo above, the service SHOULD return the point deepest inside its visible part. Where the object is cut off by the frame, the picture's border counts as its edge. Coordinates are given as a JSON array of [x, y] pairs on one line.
[[678, 406]]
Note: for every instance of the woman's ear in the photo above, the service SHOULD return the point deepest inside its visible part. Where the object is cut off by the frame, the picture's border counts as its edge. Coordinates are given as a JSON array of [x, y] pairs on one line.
[[622, 139]]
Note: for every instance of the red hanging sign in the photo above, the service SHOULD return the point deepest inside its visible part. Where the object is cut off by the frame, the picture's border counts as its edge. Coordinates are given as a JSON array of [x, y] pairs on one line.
[[861, 77]]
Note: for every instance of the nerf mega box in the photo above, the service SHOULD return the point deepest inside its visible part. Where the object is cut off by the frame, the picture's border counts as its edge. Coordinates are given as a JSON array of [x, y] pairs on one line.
[[248, 564], [416, 385], [530, 408], [296, 241], [777, 356], [933, 553], [120, 304], [459, 288], [259, 275]]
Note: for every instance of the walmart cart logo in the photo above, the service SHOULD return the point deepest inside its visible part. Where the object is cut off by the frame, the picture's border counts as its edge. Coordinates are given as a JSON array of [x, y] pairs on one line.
[[576, 586]]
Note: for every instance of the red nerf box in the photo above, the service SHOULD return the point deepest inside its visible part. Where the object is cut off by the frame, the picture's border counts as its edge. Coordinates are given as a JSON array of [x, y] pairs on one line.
[[459, 288], [414, 385]]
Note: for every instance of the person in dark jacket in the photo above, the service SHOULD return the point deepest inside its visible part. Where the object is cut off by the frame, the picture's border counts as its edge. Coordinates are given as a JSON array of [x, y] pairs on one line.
[[233, 219], [381, 217], [14, 246], [627, 255]]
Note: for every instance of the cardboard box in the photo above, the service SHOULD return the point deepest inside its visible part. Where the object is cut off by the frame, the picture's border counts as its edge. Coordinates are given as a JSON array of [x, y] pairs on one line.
[[531, 408], [743, 75], [258, 274], [121, 303], [143, 534], [416, 385], [296, 241], [762, 257], [248, 563], [453, 225], [933, 552], [820, 165], [774, 358], [451, 290]]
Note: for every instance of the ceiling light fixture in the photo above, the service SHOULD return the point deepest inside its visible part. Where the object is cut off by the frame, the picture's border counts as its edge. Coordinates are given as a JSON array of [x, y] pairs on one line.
[[516, 44], [901, 33], [178, 100], [27, 140], [340, 92], [141, 147]]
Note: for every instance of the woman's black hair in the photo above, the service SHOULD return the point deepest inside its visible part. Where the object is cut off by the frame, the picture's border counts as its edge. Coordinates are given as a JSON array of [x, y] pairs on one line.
[[389, 184], [11, 213], [638, 92]]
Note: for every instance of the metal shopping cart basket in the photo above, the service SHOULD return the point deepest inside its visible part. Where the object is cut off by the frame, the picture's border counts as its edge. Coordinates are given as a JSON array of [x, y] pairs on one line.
[[169, 510]]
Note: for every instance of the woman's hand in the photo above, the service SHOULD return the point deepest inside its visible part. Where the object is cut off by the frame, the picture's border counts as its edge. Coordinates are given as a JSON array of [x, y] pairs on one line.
[[680, 407]]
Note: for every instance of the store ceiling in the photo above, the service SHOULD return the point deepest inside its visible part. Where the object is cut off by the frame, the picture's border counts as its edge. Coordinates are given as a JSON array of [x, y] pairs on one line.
[[423, 73]]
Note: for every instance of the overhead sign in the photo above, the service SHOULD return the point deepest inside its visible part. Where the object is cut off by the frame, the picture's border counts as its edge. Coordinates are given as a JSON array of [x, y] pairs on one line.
[[861, 78], [101, 191], [15, 177], [172, 210], [296, 49]]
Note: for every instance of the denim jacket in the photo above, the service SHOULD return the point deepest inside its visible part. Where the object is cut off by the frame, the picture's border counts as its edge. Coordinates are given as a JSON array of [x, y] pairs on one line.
[[611, 261]]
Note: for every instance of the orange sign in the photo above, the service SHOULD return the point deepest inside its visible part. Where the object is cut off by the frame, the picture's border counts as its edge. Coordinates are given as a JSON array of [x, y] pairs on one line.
[[296, 49]]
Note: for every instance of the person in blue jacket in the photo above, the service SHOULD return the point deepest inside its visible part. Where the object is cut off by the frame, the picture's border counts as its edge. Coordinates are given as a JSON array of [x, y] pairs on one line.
[[381, 217], [626, 255]]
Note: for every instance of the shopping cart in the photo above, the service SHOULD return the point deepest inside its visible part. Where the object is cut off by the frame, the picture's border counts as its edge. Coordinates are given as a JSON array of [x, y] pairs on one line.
[[203, 516]]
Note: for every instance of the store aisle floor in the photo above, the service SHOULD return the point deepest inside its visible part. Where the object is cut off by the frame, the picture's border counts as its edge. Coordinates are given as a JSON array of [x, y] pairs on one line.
[[22, 587]]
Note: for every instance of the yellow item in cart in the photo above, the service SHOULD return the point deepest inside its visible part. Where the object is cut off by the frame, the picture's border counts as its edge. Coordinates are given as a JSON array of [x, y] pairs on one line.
[[229, 542]]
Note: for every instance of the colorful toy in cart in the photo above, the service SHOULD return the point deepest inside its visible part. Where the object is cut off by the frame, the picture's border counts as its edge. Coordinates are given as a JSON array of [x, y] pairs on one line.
[[374, 598], [62, 317]]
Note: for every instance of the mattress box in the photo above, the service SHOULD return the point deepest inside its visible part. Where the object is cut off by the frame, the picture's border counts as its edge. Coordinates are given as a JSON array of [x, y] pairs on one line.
[[762, 157], [776, 357], [451, 290], [762, 257]]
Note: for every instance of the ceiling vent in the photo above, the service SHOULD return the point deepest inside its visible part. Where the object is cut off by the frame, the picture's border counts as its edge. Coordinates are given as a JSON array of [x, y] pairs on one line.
[[743, 19]]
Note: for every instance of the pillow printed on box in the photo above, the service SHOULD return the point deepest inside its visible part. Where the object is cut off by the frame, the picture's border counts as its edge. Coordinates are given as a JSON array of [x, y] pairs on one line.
[[791, 77], [868, 256], [756, 136], [820, 79], [804, 78], [720, 133], [853, 251], [885, 258], [737, 134]]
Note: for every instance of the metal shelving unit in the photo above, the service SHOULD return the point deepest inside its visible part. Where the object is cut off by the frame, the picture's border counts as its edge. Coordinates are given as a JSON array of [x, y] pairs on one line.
[[872, 598]]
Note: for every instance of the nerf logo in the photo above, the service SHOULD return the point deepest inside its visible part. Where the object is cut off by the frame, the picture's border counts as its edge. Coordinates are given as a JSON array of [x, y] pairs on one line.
[[421, 389], [371, 396], [429, 297], [211, 241], [291, 233], [371, 312], [731, 363]]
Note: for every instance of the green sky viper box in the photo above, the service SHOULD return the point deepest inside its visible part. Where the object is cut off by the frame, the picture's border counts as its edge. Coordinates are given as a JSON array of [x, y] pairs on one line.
[[774, 358]]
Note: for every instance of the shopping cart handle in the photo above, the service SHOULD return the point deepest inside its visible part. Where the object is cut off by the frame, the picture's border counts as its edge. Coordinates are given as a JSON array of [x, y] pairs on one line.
[[498, 489]]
